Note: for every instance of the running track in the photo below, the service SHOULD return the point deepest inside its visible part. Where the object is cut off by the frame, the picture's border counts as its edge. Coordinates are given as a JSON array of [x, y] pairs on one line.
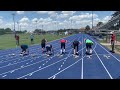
[[101, 65]]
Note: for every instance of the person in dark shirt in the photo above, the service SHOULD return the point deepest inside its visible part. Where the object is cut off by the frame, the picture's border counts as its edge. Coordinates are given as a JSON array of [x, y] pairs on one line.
[[43, 43], [17, 39], [76, 46], [25, 50], [32, 38], [49, 49]]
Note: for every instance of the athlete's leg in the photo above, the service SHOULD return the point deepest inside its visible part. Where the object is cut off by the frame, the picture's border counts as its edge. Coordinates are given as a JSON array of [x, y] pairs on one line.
[[74, 46], [64, 48], [76, 49]]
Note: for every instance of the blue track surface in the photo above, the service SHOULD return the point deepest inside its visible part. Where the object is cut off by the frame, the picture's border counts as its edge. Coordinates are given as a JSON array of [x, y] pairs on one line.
[[101, 65]]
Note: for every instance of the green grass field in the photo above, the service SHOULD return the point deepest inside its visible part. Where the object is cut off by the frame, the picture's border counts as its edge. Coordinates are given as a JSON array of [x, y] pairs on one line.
[[118, 38], [8, 41]]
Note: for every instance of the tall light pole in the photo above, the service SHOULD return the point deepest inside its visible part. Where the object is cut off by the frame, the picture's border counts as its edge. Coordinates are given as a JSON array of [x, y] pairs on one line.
[[42, 29], [92, 20], [36, 24], [71, 24], [18, 25], [13, 14]]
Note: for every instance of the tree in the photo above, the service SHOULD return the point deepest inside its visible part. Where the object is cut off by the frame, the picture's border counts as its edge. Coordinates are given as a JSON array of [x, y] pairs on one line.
[[99, 24], [24, 31], [2, 31], [8, 30], [87, 28]]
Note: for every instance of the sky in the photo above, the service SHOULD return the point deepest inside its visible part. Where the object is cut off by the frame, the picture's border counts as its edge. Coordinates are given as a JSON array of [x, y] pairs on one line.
[[52, 20]]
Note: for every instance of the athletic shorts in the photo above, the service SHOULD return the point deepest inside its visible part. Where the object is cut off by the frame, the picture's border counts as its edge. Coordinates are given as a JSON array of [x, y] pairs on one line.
[[112, 42], [75, 46], [62, 45], [43, 45], [31, 39], [48, 49], [88, 45]]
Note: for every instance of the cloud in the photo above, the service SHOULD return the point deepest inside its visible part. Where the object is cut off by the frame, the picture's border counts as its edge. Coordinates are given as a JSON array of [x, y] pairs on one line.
[[45, 20], [20, 12], [62, 16], [51, 12], [24, 20], [82, 16], [68, 12], [34, 20], [24, 24], [54, 15], [65, 14], [1, 21], [1, 17], [42, 12], [106, 19]]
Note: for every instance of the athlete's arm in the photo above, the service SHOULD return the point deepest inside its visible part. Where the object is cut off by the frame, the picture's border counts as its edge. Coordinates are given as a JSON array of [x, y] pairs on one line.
[[80, 42]]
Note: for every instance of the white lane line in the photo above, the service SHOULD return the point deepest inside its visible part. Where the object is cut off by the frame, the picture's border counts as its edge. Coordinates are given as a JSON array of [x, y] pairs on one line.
[[66, 68], [103, 65], [12, 71], [27, 65], [31, 74], [59, 68], [4, 76], [53, 77], [42, 68], [102, 54], [22, 66], [82, 60]]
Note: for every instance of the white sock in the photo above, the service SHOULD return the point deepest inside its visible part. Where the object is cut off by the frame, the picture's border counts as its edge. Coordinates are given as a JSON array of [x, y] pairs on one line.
[[64, 50], [61, 51], [74, 51], [90, 50]]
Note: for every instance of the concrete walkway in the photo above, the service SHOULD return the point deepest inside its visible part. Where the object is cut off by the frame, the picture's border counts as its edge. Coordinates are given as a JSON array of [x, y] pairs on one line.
[[116, 43]]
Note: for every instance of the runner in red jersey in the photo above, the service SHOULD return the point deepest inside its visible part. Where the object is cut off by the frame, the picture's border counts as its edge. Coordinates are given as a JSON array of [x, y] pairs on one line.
[[63, 41], [113, 38]]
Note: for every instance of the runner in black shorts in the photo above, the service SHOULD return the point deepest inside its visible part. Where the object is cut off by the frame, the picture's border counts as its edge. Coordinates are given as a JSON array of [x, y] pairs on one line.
[[63, 41], [43, 43], [76, 47], [49, 49], [89, 44], [25, 50]]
